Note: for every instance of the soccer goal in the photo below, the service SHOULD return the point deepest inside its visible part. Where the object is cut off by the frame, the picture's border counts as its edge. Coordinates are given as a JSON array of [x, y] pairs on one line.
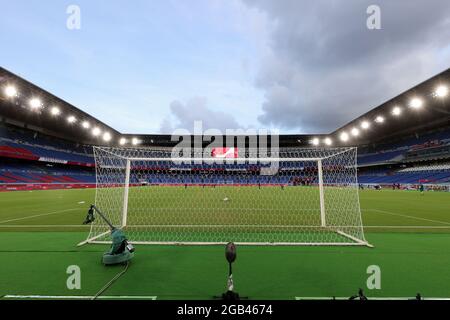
[[296, 196]]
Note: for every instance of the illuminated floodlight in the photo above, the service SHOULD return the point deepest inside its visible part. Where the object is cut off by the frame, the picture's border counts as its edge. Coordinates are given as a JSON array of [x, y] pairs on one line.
[[10, 91], [344, 136], [396, 111], [379, 119], [71, 119], [365, 124], [55, 111], [355, 132], [328, 141], [107, 136], [122, 141], [135, 141], [441, 91], [416, 103], [96, 132], [315, 141], [35, 103], [86, 125]]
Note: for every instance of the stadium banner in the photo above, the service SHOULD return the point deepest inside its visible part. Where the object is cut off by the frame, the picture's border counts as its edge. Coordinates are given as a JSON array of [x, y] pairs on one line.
[[52, 160]]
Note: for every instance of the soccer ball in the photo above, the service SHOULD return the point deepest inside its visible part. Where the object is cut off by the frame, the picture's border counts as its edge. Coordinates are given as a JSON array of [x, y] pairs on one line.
[[225, 199]]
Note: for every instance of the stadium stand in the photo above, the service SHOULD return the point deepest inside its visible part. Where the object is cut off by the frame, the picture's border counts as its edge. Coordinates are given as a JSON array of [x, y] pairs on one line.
[[38, 151]]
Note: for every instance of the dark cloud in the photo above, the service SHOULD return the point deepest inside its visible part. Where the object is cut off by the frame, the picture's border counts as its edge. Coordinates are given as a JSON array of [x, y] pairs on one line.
[[183, 116], [325, 67]]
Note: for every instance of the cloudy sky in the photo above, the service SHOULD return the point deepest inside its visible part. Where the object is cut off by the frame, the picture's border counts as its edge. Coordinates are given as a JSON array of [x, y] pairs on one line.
[[291, 65]]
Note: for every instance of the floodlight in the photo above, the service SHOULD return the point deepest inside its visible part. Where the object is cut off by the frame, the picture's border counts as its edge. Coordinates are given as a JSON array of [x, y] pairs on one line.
[[71, 119], [122, 141], [107, 136], [344, 136], [315, 141], [86, 125], [35, 103], [379, 119], [96, 131], [328, 141], [355, 132], [365, 125], [441, 91], [135, 141], [416, 103], [396, 111], [10, 91], [55, 111]]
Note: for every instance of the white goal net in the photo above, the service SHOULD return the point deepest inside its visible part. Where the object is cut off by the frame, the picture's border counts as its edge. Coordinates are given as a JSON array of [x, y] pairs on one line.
[[298, 196]]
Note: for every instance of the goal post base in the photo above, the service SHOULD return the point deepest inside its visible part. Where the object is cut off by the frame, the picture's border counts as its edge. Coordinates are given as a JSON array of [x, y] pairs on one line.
[[92, 240], [359, 241]]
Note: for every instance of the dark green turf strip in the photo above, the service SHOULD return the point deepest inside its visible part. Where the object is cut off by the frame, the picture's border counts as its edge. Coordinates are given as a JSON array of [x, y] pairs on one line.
[[35, 263]]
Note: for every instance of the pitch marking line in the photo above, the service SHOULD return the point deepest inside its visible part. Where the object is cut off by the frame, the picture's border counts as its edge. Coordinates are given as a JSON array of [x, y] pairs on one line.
[[407, 216], [370, 298], [13, 296], [45, 226], [38, 215]]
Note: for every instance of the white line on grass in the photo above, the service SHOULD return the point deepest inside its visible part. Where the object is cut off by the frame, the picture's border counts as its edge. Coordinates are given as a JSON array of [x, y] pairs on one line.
[[409, 227], [44, 226], [369, 298], [88, 226], [38, 215], [13, 296], [407, 216]]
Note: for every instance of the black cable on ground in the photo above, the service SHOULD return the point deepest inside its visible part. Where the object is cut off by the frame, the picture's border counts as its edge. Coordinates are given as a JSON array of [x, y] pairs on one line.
[[109, 284]]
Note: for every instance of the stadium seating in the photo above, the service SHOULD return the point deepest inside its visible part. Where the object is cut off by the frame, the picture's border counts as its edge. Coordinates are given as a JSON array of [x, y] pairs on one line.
[[429, 146]]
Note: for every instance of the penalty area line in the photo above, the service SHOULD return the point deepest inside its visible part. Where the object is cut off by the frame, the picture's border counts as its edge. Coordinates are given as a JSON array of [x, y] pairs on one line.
[[372, 298], [408, 216], [38, 215], [33, 296]]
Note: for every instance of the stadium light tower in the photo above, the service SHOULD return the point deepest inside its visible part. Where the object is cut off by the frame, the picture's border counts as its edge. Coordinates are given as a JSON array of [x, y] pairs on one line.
[[122, 141], [86, 125], [135, 141], [416, 103], [107, 136], [55, 111], [96, 132], [396, 111], [344, 136], [355, 132], [441, 92], [71, 119], [365, 124], [328, 141], [315, 141], [10, 91], [35, 103], [379, 119]]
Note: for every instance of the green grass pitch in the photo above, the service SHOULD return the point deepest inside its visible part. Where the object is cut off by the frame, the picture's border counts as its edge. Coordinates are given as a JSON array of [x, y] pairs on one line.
[[39, 231]]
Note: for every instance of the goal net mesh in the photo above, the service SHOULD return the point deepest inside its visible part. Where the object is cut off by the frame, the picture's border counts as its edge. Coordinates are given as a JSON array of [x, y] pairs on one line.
[[301, 196]]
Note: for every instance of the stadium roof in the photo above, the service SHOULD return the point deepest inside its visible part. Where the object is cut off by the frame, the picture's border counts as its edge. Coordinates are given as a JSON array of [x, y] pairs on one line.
[[417, 109], [33, 107]]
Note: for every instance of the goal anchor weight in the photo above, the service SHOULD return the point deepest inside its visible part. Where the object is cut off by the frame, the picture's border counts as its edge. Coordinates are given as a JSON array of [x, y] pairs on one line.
[[121, 251]]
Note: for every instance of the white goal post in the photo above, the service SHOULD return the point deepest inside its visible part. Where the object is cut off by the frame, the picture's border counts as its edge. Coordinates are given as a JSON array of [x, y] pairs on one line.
[[296, 196]]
